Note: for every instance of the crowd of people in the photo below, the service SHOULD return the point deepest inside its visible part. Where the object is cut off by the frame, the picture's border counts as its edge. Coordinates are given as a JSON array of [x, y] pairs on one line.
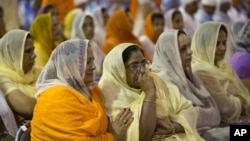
[[116, 70]]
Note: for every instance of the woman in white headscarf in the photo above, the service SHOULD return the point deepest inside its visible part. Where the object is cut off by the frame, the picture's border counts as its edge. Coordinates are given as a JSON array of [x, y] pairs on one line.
[[173, 19], [209, 49], [69, 103], [126, 82], [84, 28], [172, 62]]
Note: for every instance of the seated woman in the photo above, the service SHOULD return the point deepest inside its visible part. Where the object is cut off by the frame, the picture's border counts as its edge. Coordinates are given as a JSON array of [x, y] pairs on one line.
[[127, 83], [84, 28], [17, 72], [241, 57], [172, 62], [173, 19], [209, 48], [68, 101], [119, 30], [47, 34], [153, 27]]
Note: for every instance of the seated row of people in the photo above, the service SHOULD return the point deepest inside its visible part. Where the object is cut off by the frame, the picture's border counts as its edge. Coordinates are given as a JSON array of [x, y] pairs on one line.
[[178, 95]]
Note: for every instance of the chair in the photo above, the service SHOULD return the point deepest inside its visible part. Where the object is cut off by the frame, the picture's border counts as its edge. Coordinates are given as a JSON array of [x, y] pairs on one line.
[[23, 133]]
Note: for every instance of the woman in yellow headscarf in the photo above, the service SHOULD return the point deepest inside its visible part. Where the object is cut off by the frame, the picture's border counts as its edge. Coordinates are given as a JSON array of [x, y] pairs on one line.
[[119, 30], [153, 27], [126, 83], [17, 72], [47, 34], [209, 48]]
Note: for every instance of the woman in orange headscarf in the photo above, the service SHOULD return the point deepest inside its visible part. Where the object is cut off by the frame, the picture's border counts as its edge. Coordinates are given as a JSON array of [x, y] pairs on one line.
[[153, 27], [119, 30]]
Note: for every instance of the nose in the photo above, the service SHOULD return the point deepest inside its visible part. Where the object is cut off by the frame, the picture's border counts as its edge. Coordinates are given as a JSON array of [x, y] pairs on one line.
[[189, 51], [93, 67], [142, 69], [33, 56]]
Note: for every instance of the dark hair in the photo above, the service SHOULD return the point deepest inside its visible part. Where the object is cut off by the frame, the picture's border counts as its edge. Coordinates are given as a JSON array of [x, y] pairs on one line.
[[1, 9], [103, 9], [181, 32], [47, 8], [156, 16], [29, 36], [175, 13], [128, 51], [223, 28]]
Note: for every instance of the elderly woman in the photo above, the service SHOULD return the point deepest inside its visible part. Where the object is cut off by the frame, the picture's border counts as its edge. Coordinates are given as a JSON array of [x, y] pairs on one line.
[[68, 94], [126, 82], [172, 62], [209, 48], [17, 72]]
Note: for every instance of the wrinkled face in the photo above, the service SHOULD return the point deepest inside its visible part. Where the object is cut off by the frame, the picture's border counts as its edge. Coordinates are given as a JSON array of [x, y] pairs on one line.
[[28, 55], [135, 66], [185, 50], [105, 17], [221, 46], [88, 27], [158, 24], [177, 22], [90, 67]]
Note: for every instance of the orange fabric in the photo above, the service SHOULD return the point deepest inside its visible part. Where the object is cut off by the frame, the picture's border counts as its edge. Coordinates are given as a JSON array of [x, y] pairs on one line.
[[119, 30], [63, 7], [149, 30], [133, 8], [158, 3], [63, 114]]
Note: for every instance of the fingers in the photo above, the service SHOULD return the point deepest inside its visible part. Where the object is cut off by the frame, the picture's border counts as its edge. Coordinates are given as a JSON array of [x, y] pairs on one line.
[[124, 116]]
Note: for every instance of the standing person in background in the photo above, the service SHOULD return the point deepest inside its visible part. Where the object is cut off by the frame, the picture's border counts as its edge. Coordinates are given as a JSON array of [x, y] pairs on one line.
[[153, 27], [206, 11], [26, 13], [188, 9], [2, 23]]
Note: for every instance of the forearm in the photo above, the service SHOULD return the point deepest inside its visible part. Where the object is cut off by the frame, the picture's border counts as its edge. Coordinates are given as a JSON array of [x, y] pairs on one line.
[[148, 118]]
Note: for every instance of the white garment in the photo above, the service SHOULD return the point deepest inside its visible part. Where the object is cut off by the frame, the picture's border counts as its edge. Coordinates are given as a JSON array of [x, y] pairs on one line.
[[190, 23], [7, 116], [148, 45], [237, 16], [219, 15], [66, 67], [100, 31]]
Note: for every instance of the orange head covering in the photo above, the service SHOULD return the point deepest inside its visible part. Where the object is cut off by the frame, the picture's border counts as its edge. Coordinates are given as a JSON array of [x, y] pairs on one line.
[[119, 30], [133, 6], [63, 7], [149, 30]]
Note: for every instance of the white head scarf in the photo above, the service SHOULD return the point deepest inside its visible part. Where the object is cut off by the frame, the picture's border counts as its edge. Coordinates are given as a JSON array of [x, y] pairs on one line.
[[167, 64], [66, 67], [168, 18], [77, 32], [209, 2]]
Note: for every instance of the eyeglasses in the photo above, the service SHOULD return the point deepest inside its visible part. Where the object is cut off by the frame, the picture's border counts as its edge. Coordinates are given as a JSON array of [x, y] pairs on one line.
[[137, 66]]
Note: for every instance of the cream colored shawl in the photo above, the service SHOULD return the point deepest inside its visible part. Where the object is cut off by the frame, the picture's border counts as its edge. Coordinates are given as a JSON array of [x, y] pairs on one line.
[[171, 106], [11, 64], [221, 81], [167, 64]]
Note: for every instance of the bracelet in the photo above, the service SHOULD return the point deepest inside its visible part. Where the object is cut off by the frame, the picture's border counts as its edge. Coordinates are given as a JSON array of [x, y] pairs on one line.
[[150, 101]]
